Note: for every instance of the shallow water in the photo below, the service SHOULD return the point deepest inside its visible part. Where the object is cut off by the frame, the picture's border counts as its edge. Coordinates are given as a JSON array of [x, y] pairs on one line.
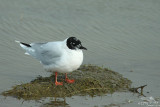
[[121, 35]]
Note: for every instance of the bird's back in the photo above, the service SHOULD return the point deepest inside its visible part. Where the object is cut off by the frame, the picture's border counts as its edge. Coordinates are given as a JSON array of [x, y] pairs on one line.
[[47, 53]]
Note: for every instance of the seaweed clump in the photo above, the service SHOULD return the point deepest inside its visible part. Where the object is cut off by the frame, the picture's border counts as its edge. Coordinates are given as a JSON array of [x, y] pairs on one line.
[[89, 80]]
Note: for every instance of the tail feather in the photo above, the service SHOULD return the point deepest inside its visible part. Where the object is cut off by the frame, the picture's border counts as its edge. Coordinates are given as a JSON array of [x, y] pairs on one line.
[[23, 43], [17, 41], [27, 47]]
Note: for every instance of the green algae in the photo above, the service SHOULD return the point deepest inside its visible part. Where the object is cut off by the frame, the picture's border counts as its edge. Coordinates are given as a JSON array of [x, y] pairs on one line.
[[89, 80]]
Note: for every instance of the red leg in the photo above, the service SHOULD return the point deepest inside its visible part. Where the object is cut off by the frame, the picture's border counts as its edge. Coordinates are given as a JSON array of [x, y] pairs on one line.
[[56, 82], [68, 80]]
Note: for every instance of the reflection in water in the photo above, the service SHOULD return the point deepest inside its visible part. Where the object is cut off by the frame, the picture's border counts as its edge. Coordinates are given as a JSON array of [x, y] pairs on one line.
[[56, 103]]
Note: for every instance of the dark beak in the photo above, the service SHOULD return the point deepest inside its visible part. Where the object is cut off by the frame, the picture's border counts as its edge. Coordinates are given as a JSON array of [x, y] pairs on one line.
[[83, 48]]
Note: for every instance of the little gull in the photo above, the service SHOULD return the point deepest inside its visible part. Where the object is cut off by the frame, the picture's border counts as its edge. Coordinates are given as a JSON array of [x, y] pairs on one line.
[[57, 56]]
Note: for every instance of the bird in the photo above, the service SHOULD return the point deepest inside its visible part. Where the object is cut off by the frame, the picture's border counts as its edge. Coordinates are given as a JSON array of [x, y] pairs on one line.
[[57, 56]]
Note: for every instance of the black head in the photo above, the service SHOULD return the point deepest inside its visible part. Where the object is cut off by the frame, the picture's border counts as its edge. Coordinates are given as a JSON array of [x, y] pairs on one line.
[[74, 43]]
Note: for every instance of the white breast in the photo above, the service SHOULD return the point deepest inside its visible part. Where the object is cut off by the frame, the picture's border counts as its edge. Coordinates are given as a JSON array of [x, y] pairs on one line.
[[76, 60], [69, 61]]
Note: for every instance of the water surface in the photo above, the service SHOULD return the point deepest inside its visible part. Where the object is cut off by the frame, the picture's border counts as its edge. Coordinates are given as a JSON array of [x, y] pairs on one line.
[[122, 35]]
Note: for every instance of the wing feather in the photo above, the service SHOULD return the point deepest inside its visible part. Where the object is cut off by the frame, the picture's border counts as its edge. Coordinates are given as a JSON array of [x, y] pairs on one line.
[[47, 53]]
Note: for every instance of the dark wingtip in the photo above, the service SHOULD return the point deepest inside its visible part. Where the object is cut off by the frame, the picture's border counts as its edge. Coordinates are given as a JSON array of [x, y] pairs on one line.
[[25, 44]]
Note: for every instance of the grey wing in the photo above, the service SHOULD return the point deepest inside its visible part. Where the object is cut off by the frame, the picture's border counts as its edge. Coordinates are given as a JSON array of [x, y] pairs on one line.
[[47, 53]]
